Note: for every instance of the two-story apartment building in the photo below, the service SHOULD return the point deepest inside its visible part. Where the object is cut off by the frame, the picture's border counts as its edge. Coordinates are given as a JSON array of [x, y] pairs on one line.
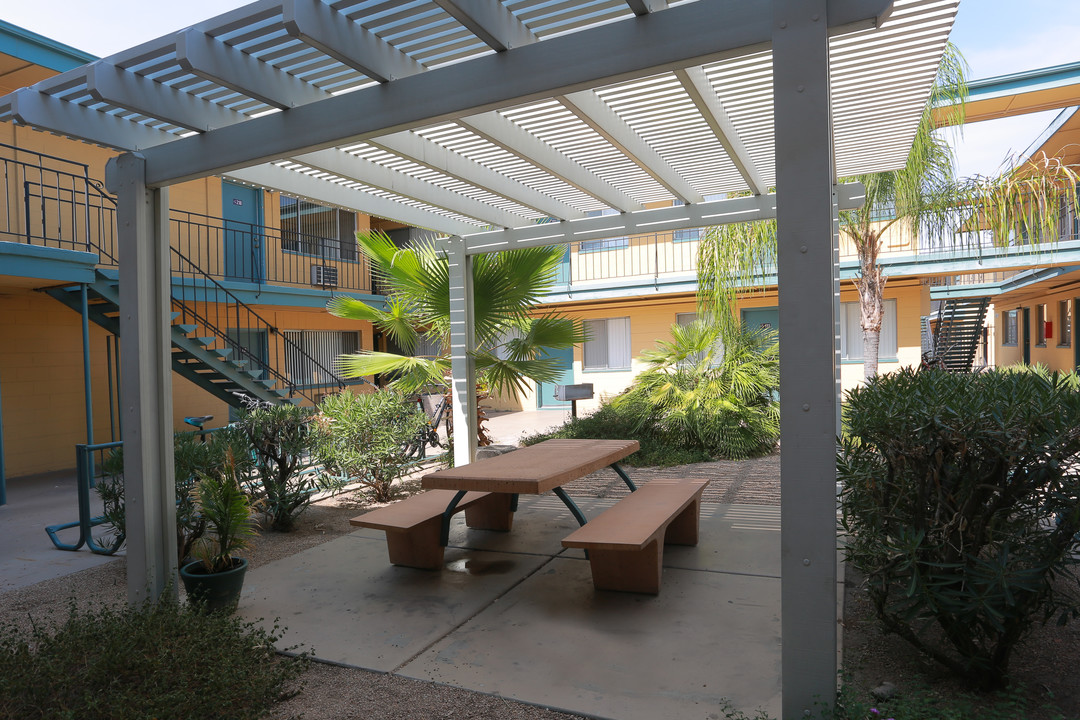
[[252, 271]]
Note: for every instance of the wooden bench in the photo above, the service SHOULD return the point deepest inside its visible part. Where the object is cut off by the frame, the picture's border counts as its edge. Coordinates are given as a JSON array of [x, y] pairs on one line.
[[626, 542], [413, 525]]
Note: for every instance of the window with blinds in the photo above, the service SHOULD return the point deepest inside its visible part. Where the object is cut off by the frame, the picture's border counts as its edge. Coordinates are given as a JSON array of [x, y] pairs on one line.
[[851, 335], [314, 229], [608, 346], [311, 355]]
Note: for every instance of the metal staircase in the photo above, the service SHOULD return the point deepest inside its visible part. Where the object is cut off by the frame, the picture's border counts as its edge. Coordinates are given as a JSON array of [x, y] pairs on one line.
[[218, 342], [217, 360], [958, 331]]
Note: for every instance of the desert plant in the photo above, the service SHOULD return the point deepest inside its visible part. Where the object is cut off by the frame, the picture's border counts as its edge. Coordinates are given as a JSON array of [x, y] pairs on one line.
[[714, 389], [223, 505], [365, 437], [192, 457], [280, 438], [158, 660], [961, 503]]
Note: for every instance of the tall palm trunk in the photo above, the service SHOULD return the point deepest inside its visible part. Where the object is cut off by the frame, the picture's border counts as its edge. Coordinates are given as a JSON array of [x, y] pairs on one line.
[[871, 287]]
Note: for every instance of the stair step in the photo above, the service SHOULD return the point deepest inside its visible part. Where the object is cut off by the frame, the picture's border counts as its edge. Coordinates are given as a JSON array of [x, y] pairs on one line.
[[295, 400], [253, 374], [268, 383], [206, 341], [239, 364], [224, 353], [173, 315], [186, 329], [281, 392]]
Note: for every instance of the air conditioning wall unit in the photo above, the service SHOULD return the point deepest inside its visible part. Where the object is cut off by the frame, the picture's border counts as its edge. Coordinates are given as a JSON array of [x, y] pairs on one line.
[[324, 275]]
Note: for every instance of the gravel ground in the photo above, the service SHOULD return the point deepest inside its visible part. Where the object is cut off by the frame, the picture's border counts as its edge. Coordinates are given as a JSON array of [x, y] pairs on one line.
[[338, 693]]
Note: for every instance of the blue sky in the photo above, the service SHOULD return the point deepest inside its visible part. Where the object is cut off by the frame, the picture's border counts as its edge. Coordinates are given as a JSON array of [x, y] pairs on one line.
[[997, 37]]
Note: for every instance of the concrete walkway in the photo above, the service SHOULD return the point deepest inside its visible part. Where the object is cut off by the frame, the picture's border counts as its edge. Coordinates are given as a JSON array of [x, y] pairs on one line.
[[514, 614]]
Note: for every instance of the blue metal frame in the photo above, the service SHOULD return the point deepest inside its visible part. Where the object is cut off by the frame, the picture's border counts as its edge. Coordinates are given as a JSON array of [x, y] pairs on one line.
[[84, 463], [88, 391]]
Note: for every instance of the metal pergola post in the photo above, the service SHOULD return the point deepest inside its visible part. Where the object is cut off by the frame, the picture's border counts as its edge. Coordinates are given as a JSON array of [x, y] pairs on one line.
[[462, 341], [808, 285], [88, 390], [146, 383]]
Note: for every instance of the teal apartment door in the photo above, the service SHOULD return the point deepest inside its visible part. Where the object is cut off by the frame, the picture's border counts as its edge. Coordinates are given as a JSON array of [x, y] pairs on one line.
[[242, 243], [545, 395], [765, 317]]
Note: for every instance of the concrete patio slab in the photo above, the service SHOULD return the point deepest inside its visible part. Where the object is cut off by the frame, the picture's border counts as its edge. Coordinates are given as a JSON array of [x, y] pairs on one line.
[[344, 600], [515, 614], [554, 641], [27, 556]]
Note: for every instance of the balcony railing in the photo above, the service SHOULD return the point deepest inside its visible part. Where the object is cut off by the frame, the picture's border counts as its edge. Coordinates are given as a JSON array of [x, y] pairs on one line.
[[53, 202]]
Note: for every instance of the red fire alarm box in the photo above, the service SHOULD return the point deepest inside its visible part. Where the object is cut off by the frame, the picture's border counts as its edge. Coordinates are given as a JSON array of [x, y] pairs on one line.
[[1048, 329]]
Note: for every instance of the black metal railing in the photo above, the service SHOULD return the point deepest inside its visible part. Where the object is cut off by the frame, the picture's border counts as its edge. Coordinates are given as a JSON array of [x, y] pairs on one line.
[[52, 202], [229, 324]]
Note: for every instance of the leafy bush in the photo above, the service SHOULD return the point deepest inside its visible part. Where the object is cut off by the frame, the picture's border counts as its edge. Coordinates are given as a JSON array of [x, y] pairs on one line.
[[192, 458], [961, 500], [700, 398], [614, 423], [280, 440], [160, 661], [365, 437]]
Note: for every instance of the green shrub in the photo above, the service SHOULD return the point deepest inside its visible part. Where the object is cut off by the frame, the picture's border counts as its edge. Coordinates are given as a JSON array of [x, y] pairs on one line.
[[365, 437], [192, 458], [280, 441], [700, 398], [961, 502], [160, 661]]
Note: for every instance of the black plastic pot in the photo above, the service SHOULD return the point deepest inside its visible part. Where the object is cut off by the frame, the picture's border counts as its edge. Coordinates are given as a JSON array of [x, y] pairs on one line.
[[216, 592]]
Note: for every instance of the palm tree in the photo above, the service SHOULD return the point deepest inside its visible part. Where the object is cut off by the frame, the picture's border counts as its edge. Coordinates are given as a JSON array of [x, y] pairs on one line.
[[924, 194], [510, 337]]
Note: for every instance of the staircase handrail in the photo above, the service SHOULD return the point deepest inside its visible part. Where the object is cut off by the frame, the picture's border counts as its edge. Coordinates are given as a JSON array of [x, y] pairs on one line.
[[90, 185], [231, 298]]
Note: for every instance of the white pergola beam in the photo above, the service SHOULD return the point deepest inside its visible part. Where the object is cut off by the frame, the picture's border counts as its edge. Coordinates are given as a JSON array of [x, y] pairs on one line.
[[598, 115], [717, 212], [116, 86], [44, 112], [681, 36], [432, 154], [142, 221], [496, 129], [462, 343], [210, 59], [316, 189], [809, 297], [346, 165], [320, 26], [490, 21], [697, 86], [644, 7]]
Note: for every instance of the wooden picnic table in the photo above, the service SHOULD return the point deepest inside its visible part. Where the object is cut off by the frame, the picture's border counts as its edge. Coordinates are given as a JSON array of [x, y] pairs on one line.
[[531, 471]]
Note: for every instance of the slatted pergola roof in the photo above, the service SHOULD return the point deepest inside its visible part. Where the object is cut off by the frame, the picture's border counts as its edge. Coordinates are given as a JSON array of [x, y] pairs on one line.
[[693, 120], [478, 119]]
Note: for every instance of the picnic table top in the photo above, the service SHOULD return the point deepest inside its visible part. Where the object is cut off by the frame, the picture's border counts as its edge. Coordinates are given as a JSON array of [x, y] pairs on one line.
[[535, 469]]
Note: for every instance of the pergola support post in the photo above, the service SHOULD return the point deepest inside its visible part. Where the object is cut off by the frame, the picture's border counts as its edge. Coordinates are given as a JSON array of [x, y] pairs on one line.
[[462, 342], [146, 381], [808, 283]]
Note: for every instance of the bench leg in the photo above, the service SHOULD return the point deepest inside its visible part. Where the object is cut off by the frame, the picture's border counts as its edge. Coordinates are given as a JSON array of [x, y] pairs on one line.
[[491, 513], [628, 570], [418, 547], [683, 530]]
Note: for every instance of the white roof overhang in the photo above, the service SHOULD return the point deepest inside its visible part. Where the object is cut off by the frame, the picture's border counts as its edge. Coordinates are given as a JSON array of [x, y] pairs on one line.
[[486, 117]]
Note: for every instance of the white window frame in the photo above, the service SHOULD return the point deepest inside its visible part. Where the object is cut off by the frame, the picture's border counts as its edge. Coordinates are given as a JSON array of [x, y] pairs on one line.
[[596, 353], [853, 351]]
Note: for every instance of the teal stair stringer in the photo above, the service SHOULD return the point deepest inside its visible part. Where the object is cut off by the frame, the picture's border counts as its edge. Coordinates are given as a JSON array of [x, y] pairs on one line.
[[959, 330], [202, 360]]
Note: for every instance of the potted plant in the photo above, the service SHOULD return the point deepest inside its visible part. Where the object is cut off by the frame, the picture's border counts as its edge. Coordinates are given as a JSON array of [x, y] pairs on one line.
[[217, 577]]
